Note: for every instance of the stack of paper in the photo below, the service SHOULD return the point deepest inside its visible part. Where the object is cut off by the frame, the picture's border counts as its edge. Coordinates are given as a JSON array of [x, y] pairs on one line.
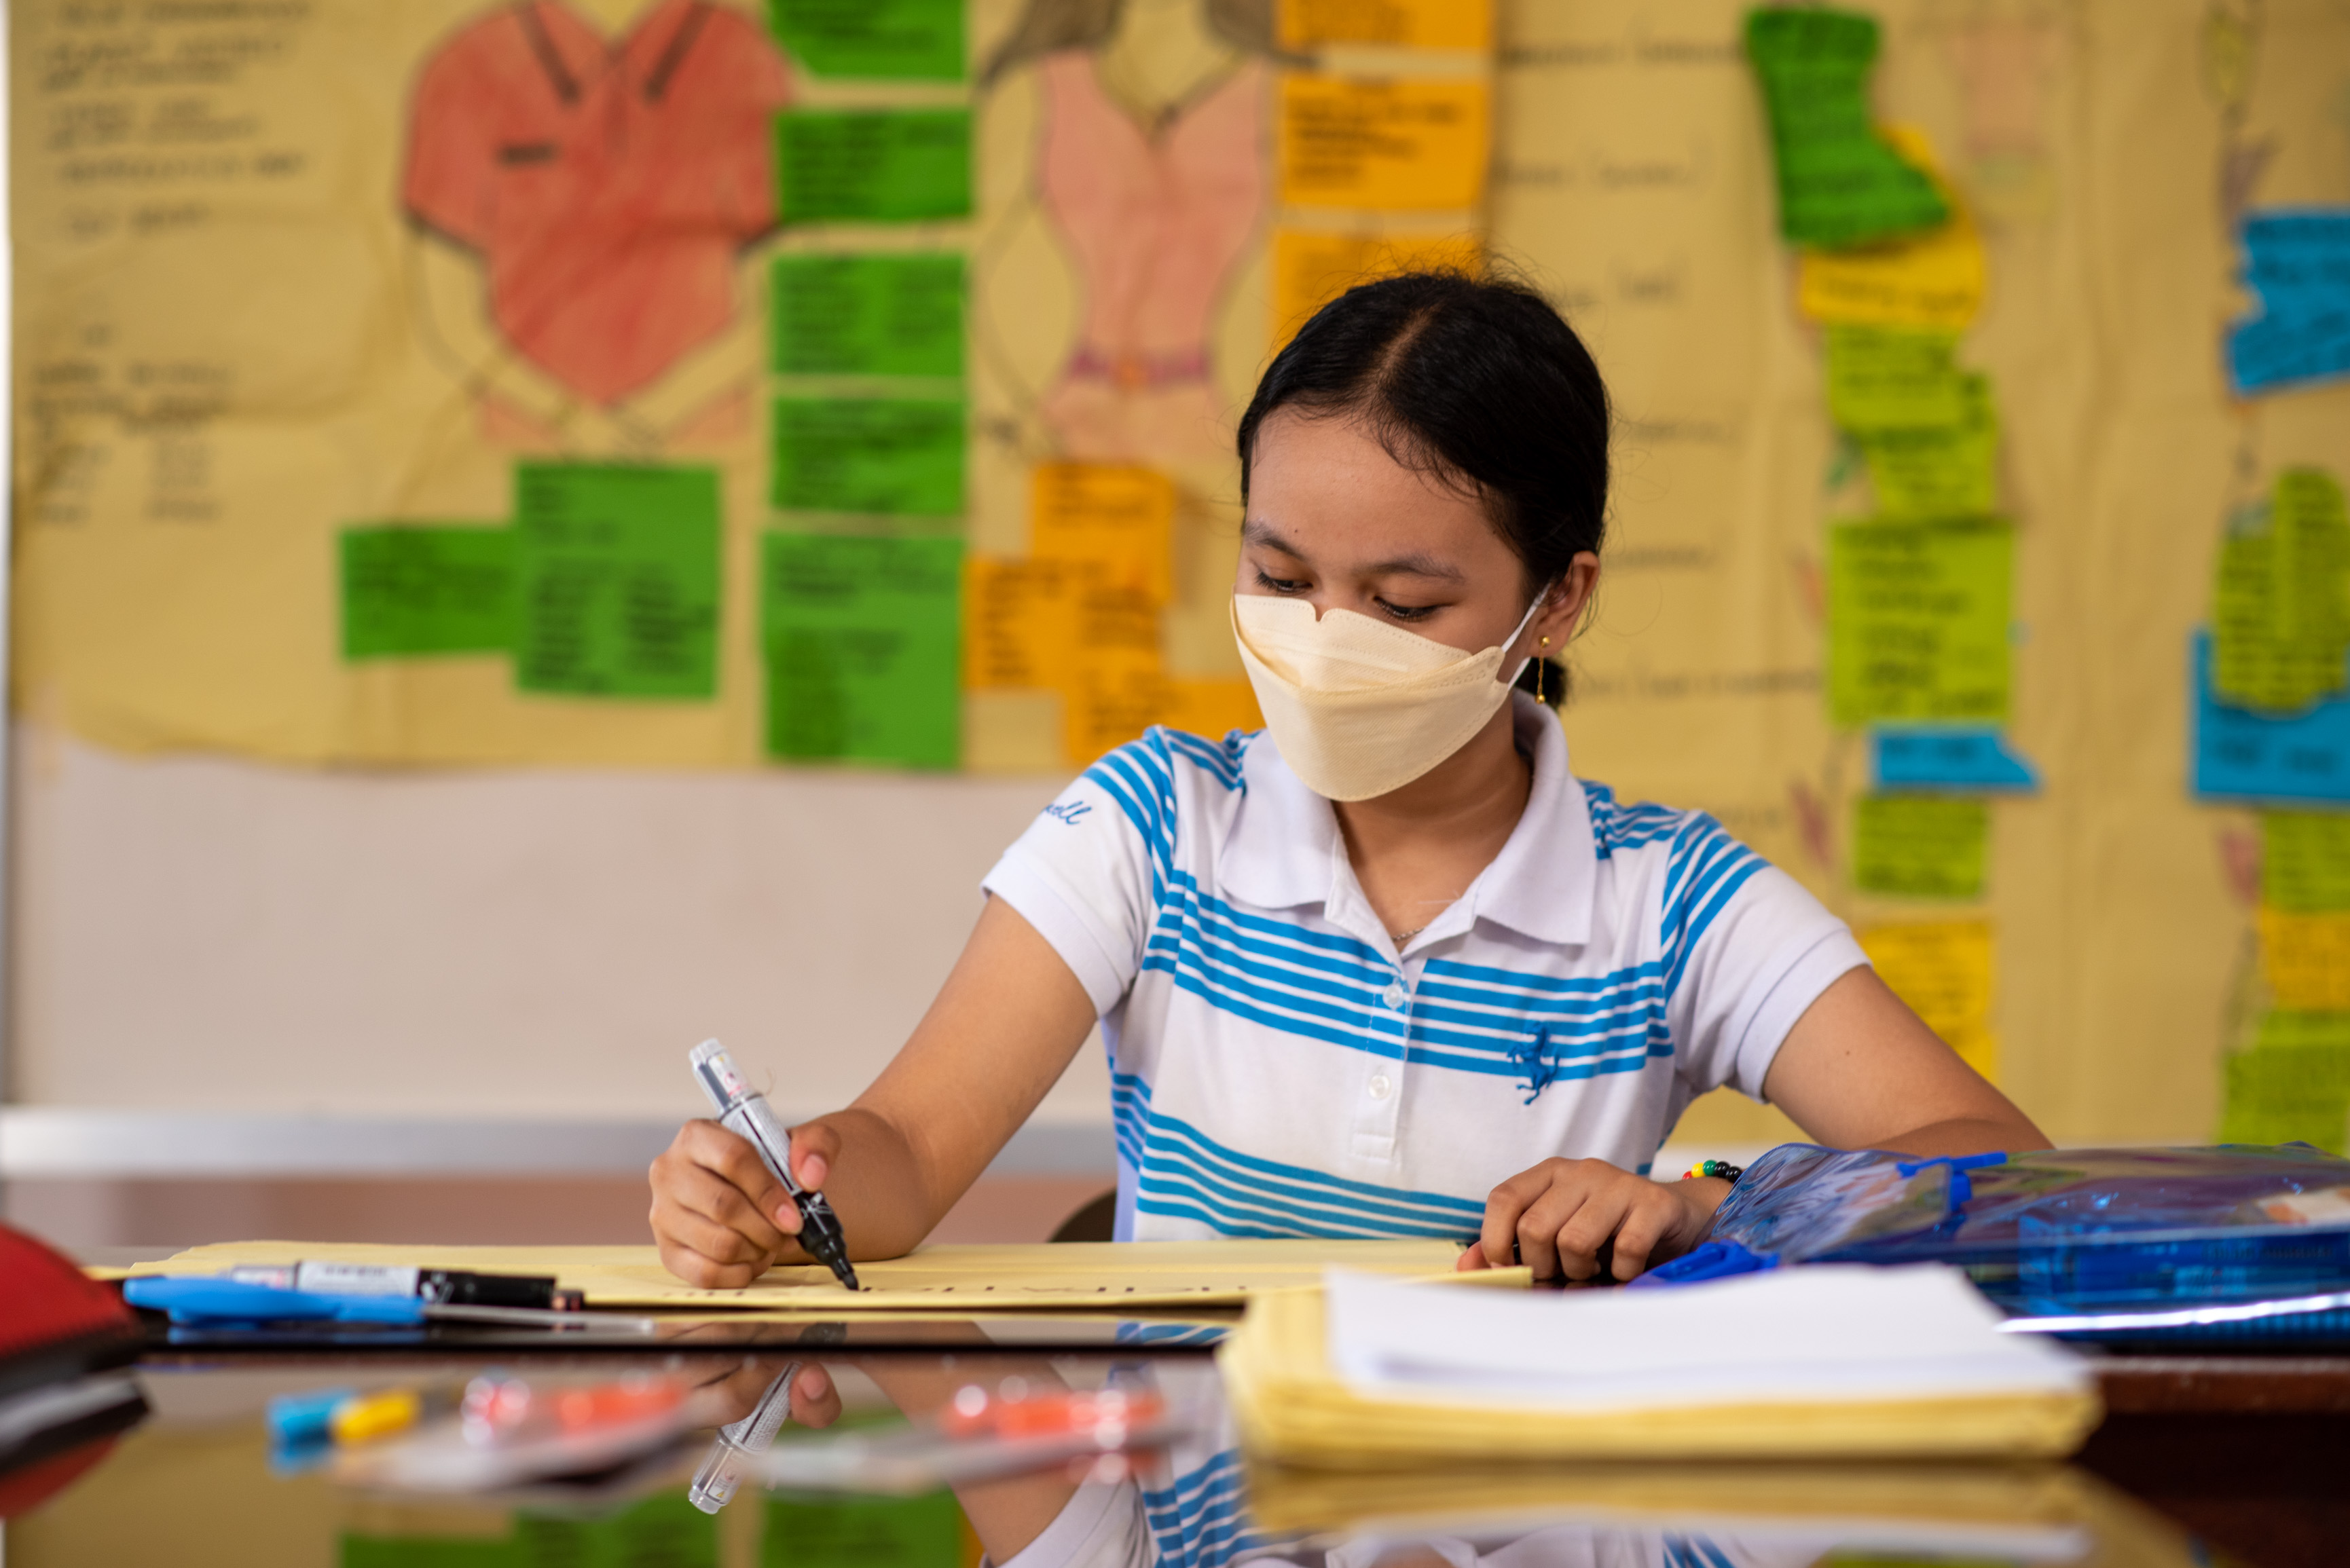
[[1810, 1362]]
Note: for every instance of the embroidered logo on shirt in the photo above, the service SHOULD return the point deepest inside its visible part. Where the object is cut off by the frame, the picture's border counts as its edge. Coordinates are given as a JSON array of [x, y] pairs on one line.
[[1535, 1056], [1067, 813]]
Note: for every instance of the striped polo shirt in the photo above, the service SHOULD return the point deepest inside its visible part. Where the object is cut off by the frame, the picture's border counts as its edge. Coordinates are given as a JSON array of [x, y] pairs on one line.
[[1278, 1068]]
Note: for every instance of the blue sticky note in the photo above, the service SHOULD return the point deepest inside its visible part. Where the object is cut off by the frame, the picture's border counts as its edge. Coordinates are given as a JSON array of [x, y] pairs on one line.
[[2239, 754], [2297, 265], [1973, 759]]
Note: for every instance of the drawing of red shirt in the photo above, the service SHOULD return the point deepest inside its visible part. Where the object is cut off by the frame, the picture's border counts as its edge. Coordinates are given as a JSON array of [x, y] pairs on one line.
[[608, 187]]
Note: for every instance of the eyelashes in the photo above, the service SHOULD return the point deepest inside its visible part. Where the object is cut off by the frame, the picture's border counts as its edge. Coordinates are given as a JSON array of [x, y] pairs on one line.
[[1292, 586]]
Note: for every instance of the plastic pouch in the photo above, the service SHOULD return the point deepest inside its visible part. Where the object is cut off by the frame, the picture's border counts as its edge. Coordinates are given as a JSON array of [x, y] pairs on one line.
[[2059, 1231]]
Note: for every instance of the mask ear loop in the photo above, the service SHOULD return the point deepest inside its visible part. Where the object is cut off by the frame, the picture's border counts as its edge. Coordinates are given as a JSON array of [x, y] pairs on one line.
[[1524, 621]]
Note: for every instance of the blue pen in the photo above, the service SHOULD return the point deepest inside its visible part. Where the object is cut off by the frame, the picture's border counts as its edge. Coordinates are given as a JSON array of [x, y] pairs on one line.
[[214, 1299]]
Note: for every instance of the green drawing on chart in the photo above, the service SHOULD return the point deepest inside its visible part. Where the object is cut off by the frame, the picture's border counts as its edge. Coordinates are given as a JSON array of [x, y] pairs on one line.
[[2305, 861], [914, 40], [1928, 472], [886, 165], [899, 457], [1840, 183], [863, 638], [2292, 1084], [410, 590], [886, 315], [618, 569], [1884, 378], [1920, 846], [1917, 621], [2280, 598]]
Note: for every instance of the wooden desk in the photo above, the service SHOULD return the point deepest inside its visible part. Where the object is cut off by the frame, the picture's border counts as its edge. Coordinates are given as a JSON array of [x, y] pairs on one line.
[[2250, 1453]]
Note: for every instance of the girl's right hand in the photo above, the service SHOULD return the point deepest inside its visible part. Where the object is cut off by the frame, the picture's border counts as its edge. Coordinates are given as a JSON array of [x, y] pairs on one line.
[[719, 1216]]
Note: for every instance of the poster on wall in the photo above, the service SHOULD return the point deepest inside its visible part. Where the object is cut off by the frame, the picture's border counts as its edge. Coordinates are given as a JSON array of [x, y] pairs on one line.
[[681, 382]]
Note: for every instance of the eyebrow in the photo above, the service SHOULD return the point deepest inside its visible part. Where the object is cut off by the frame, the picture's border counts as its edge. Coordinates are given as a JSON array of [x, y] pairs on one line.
[[1416, 565]]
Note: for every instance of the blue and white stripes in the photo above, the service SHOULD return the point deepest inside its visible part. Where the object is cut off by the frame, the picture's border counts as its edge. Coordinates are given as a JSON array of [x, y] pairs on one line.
[[1280, 1068]]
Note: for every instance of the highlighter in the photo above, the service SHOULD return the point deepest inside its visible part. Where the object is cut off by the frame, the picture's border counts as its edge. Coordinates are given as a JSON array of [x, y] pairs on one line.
[[745, 1111]]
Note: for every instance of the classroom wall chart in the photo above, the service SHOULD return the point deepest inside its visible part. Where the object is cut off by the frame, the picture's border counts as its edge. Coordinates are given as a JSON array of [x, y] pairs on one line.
[[705, 384], [681, 383]]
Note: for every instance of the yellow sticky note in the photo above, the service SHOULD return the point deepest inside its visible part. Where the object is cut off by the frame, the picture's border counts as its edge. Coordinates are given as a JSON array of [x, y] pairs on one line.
[[1120, 689], [1019, 622], [1942, 969], [1383, 145], [1212, 708], [1114, 520], [1310, 268], [1932, 280], [1397, 23], [2305, 957]]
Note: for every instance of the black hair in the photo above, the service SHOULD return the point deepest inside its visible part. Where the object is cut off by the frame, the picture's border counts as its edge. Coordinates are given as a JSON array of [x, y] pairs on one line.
[[1477, 381], [1047, 25]]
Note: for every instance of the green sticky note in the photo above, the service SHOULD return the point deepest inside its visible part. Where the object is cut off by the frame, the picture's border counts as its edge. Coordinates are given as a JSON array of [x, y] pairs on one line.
[[917, 40], [1919, 845], [1929, 471], [1917, 621], [422, 590], [617, 567], [2281, 597], [868, 315], [898, 457], [1840, 183], [2305, 861], [864, 646], [1884, 379], [885, 165], [2292, 1085]]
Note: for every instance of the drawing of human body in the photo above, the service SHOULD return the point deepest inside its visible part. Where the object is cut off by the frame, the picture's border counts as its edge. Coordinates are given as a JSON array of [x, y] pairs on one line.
[[1152, 172], [600, 186]]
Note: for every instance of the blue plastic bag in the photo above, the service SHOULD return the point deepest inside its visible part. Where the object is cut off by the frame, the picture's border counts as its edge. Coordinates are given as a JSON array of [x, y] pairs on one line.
[[2056, 1232]]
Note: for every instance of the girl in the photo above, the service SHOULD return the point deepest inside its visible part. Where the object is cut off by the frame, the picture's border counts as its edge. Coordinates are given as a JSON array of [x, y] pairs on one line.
[[1386, 968]]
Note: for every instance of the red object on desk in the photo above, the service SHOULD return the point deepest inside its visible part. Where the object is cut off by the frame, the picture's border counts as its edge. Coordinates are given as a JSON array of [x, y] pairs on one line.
[[56, 1325]]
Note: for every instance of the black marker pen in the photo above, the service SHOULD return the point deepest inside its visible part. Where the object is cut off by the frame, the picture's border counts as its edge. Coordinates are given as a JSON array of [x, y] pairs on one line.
[[745, 1111]]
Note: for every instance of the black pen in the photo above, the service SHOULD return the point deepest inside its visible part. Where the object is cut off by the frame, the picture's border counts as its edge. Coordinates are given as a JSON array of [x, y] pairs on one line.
[[745, 1111]]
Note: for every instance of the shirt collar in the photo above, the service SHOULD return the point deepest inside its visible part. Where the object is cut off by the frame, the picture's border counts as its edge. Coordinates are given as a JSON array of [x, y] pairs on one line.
[[1285, 849]]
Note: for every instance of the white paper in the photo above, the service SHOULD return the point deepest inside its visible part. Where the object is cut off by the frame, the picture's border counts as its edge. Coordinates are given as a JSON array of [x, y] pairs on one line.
[[1823, 1334]]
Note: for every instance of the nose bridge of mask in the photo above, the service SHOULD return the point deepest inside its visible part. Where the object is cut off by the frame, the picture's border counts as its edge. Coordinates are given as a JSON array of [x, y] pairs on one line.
[[1344, 651], [1341, 651]]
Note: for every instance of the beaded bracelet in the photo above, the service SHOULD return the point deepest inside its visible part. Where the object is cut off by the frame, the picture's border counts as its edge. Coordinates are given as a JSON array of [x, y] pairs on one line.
[[1720, 1167]]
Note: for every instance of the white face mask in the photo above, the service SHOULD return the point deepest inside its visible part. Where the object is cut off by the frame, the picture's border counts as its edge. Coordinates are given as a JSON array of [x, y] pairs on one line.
[[1359, 707]]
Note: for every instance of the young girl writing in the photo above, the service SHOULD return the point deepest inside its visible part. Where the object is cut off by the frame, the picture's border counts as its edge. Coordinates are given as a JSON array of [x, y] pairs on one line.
[[1387, 967]]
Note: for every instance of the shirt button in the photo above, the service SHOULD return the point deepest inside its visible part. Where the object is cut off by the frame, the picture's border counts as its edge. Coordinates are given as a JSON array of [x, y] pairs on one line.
[[1381, 1086], [1392, 996]]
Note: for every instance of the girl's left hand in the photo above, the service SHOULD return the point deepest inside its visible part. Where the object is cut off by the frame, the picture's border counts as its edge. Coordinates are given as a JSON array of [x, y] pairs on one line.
[[1558, 1216]]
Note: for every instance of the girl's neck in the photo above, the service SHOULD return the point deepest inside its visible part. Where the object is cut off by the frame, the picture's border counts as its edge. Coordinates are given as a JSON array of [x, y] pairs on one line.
[[1418, 848]]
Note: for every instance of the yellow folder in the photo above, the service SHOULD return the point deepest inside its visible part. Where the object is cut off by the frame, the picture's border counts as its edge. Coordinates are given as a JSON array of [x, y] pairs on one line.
[[1292, 1408]]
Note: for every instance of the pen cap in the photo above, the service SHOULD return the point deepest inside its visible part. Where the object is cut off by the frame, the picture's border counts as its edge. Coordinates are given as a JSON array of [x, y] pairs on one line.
[[720, 1477], [715, 1071]]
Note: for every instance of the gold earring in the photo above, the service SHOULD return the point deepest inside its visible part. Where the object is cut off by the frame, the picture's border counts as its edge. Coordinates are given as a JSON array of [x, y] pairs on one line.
[[1542, 667]]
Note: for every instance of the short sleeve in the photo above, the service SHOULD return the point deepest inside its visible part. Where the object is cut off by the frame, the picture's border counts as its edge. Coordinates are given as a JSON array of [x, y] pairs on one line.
[[1102, 1527], [1084, 874], [449, 184], [1746, 951]]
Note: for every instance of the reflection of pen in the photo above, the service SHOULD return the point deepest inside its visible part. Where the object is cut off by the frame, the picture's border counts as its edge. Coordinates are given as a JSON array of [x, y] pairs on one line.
[[714, 1484], [745, 1111]]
